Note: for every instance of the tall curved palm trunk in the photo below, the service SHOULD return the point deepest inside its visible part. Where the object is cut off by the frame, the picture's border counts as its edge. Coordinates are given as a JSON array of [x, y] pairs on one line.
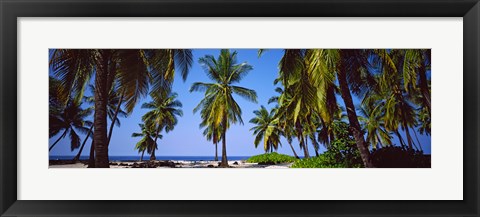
[[59, 138], [409, 139], [112, 125], [77, 157], [293, 150], [353, 118], [100, 117]]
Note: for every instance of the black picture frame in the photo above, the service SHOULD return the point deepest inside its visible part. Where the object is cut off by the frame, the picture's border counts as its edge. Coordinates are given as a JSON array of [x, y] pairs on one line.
[[10, 10]]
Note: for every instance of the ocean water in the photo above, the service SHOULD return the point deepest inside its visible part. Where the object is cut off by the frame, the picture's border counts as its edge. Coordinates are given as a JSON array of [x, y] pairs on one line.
[[146, 157]]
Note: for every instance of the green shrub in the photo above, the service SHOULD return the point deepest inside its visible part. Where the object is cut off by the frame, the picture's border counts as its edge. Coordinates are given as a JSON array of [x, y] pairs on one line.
[[271, 158], [322, 161], [398, 157], [342, 152]]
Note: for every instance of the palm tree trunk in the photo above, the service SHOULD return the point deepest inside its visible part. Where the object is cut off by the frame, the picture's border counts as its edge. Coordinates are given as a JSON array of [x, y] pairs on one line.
[[409, 139], [143, 152], [100, 121], [224, 144], [224, 162], [59, 138], [305, 148], [379, 144], [353, 119], [91, 158], [117, 109], [416, 137], [216, 152], [77, 157], [294, 153], [152, 156], [315, 144], [302, 141], [402, 143]]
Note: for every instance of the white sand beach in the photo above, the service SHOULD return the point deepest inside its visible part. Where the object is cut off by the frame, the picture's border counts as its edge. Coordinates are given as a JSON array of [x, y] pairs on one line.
[[170, 164]]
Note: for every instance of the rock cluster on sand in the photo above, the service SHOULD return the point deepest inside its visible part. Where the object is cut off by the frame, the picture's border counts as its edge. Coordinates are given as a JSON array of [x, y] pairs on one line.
[[153, 164]]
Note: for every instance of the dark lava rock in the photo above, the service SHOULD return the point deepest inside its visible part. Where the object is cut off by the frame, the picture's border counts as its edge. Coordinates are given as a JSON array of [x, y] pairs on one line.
[[139, 165], [152, 164], [266, 163], [235, 163], [60, 162], [167, 164], [210, 166]]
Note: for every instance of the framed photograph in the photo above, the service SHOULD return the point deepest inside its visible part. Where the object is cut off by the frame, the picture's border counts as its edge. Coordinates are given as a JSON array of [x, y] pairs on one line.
[[239, 108]]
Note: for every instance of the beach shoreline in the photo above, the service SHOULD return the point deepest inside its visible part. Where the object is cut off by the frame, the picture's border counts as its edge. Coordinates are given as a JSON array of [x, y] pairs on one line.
[[166, 164]]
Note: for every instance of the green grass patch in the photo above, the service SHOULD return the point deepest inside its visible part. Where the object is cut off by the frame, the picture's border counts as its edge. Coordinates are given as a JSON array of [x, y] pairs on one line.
[[271, 158]]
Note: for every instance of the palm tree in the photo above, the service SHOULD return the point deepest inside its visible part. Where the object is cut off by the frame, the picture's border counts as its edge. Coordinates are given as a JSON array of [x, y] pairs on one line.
[[314, 73], [147, 142], [309, 93], [223, 109], [287, 130], [372, 122], [113, 111], [163, 114], [310, 79], [350, 69], [133, 69], [352, 64], [300, 96], [416, 65], [398, 101], [266, 128], [70, 120]]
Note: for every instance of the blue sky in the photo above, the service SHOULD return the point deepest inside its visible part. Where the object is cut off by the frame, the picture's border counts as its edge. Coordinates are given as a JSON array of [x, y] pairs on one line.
[[187, 139]]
